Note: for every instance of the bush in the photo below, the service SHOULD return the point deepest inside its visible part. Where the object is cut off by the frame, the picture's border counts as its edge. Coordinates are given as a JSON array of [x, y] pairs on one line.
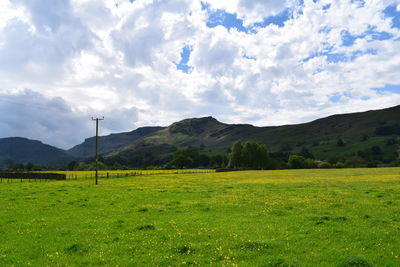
[[372, 164], [310, 164], [339, 165], [324, 165], [297, 162], [340, 143]]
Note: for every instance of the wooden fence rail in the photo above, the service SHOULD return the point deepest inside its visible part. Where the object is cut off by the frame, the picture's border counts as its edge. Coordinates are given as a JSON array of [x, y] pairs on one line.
[[9, 176]]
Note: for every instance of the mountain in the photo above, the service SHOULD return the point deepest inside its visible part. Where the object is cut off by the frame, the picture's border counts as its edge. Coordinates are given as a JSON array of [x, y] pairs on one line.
[[23, 150], [373, 135], [110, 142], [359, 132]]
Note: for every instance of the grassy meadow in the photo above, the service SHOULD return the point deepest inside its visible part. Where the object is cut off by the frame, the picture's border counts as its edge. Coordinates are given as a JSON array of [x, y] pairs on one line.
[[342, 217], [121, 173]]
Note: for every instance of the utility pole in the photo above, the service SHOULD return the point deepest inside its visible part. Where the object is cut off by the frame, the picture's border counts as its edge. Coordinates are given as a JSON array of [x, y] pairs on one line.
[[97, 144]]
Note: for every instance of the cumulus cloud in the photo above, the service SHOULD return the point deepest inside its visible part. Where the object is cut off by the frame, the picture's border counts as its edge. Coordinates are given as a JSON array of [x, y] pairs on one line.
[[118, 59], [53, 121], [30, 114], [45, 37]]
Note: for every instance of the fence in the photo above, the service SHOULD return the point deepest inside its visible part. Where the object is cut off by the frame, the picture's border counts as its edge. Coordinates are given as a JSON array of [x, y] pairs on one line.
[[35, 176], [82, 175], [72, 175], [106, 175]]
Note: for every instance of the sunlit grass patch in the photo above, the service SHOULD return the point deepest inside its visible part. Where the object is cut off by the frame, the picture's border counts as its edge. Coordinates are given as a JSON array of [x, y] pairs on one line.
[[251, 218]]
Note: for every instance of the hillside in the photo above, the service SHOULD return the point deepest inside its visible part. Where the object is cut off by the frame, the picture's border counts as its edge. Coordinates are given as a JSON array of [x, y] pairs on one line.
[[374, 135], [23, 150], [110, 142], [359, 132]]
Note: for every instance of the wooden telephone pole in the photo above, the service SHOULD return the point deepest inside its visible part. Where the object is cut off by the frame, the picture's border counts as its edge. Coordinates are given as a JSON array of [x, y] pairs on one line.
[[97, 145]]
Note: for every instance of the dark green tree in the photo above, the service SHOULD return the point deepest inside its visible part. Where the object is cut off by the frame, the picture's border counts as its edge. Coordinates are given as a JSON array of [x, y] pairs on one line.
[[297, 162], [255, 155], [250, 155], [305, 153], [181, 159], [72, 165], [340, 143], [236, 157], [354, 162]]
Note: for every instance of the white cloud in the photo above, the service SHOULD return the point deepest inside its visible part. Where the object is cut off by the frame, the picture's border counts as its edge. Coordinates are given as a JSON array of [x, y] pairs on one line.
[[52, 120], [115, 58]]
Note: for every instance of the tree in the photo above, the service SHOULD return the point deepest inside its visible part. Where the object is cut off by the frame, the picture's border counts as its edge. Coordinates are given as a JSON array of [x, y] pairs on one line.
[[340, 143], [29, 166], [398, 156], [118, 166], [236, 155], [305, 153], [181, 159], [297, 162], [250, 155], [255, 155], [354, 162], [72, 165], [324, 165]]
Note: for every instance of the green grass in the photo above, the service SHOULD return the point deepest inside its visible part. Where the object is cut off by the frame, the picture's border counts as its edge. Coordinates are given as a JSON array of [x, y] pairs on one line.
[[348, 217]]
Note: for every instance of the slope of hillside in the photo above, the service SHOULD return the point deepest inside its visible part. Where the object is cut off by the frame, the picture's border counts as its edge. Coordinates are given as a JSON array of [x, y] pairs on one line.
[[110, 142], [23, 150], [358, 131], [373, 134]]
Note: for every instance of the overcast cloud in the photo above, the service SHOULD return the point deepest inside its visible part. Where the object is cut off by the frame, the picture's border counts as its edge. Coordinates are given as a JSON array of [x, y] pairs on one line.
[[151, 62]]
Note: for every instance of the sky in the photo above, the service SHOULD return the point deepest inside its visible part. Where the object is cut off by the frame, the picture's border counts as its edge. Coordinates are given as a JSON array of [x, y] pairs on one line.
[[154, 62]]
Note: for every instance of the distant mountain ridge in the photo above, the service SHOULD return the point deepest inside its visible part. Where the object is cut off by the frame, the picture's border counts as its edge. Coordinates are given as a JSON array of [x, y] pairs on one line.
[[359, 131], [110, 142], [23, 150]]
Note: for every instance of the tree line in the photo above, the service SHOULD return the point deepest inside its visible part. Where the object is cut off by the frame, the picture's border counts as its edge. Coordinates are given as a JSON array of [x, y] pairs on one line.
[[241, 155]]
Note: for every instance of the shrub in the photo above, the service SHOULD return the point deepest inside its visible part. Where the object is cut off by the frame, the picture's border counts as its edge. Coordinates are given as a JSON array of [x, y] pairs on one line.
[[339, 165], [324, 165], [296, 162]]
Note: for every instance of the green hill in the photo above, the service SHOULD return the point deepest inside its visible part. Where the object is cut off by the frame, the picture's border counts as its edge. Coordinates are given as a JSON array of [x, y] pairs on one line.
[[359, 133], [23, 150], [373, 135], [110, 142]]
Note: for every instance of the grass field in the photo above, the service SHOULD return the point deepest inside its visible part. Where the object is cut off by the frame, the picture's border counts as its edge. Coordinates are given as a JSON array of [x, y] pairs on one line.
[[344, 217], [121, 173]]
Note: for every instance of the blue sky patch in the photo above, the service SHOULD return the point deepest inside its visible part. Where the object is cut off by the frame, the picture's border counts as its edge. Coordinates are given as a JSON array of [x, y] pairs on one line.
[[360, 53], [326, 7], [279, 19], [391, 12], [348, 39], [228, 20], [340, 97], [183, 64], [332, 57], [394, 88], [359, 3], [249, 57], [336, 57], [336, 98]]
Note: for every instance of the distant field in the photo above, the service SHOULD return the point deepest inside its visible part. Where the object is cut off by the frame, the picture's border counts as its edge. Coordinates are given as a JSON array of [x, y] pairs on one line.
[[122, 173], [343, 217]]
